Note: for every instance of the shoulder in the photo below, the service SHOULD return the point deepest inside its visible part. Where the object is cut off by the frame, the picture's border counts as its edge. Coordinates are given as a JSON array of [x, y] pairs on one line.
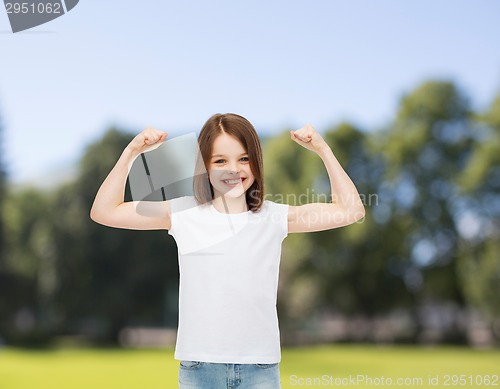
[[182, 210], [271, 205], [183, 203], [276, 214], [273, 208]]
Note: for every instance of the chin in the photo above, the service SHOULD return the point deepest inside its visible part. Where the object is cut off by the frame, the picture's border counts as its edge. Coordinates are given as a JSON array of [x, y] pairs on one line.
[[231, 193], [234, 193]]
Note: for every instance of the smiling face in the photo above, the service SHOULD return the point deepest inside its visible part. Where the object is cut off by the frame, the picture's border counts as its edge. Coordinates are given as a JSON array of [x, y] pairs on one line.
[[223, 142], [229, 167]]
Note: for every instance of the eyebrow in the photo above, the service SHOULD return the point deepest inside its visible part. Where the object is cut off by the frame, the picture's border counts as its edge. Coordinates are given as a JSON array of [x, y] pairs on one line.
[[221, 155]]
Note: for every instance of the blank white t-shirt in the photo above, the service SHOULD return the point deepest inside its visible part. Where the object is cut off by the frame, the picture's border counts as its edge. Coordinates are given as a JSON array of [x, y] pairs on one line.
[[229, 266]]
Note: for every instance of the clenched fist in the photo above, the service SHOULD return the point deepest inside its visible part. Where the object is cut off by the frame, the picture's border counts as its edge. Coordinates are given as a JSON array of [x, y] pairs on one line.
[[309, 138], [147, 140]]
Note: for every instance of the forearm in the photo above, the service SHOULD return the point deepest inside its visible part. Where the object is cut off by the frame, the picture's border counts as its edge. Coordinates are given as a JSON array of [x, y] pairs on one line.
[[111, 193], [346, 206], [343, 190]]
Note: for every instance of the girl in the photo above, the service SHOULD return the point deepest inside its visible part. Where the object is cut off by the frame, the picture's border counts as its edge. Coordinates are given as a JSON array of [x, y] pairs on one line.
[[229, 242]]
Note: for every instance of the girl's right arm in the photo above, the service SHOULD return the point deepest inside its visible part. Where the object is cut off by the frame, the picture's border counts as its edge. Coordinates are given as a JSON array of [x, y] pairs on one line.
[[109, 207]]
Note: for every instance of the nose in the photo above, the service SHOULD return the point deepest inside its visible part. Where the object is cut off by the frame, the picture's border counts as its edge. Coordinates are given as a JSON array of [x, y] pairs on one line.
[[234, 168], [234, 172]]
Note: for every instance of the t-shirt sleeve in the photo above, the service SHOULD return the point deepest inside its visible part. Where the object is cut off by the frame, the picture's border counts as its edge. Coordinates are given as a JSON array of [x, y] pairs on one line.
[[279, 214], [178, 205]]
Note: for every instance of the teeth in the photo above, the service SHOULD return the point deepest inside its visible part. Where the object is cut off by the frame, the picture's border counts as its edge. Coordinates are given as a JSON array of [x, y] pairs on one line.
[[231, 182]]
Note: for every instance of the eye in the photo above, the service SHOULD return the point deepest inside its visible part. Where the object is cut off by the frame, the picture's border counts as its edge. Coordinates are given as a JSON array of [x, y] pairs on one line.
[[244, 159], [219, 161]]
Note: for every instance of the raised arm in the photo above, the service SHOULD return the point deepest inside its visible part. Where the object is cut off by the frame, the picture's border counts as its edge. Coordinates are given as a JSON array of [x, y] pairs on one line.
[[346, 206], [109, 207]]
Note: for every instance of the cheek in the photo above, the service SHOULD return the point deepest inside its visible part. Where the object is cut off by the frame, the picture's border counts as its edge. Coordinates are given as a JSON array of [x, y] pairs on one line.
[[250, 174], [215, 174], [250, 180]]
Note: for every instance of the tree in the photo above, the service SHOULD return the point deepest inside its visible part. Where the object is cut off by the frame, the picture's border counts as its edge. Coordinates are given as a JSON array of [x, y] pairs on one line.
[[289, 174], [31, 277], [344, 270], [404, 252], [110, 278], [426, 149], [66, 274], [16, 288], [27, 264], [478, 216], [357, 261]]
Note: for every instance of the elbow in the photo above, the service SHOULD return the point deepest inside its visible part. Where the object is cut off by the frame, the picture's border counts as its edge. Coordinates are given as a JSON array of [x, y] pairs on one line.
[[359, 213], [354, 214], [101, 216], [94, 216]]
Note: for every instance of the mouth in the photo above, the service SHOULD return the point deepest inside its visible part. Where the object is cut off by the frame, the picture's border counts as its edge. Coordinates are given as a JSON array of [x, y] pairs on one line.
[[234, 182]]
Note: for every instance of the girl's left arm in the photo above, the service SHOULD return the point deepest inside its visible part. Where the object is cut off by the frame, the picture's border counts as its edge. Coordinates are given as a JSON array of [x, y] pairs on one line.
[[346, 206]]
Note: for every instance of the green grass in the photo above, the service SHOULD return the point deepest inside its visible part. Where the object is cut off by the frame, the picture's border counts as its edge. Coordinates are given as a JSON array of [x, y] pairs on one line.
[[300, 368]]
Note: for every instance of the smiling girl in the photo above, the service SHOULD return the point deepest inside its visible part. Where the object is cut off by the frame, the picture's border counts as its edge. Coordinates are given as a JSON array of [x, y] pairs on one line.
[[229, 242]]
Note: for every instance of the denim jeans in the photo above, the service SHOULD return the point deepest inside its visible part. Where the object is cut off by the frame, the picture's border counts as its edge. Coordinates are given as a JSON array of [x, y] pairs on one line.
[[206, 375]]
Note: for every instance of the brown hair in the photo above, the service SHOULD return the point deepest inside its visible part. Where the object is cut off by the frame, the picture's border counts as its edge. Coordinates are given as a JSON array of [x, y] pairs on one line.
[[239, 127]]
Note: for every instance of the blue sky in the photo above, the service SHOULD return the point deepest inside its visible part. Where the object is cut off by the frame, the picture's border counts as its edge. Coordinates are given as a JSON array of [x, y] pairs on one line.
[[279, 63]]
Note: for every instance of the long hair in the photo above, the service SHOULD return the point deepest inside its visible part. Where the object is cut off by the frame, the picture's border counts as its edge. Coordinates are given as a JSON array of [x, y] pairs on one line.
[[239, 127]]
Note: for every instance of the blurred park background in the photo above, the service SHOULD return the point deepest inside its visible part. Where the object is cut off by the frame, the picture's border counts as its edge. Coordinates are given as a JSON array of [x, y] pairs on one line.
[[422, 269]]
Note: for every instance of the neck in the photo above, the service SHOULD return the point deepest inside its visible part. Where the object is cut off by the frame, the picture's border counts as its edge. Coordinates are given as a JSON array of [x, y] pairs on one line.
[[230, 205]]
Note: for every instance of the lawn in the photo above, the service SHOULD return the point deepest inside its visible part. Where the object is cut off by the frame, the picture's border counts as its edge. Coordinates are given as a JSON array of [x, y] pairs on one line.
[[325, 366]]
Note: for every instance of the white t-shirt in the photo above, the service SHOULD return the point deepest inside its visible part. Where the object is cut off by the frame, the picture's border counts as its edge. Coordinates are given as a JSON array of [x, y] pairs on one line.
[[229, 266]]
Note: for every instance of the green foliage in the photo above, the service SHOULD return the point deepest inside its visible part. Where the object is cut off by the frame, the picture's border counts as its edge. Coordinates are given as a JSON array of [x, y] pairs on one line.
[[111, 275], [432, 102], [27, 277], [78, 276], [492, 116], [478, 259], [288, 170], [430, 130], [404, 253], [482, 166], [428, 145], [429, 180], [479, 273], [481, 173]]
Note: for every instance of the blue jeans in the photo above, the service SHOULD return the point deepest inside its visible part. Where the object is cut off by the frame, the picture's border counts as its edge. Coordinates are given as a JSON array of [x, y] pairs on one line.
[[206, 375]]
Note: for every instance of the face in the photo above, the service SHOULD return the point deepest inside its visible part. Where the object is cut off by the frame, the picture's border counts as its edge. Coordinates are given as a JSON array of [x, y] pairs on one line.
[[229, 167]]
